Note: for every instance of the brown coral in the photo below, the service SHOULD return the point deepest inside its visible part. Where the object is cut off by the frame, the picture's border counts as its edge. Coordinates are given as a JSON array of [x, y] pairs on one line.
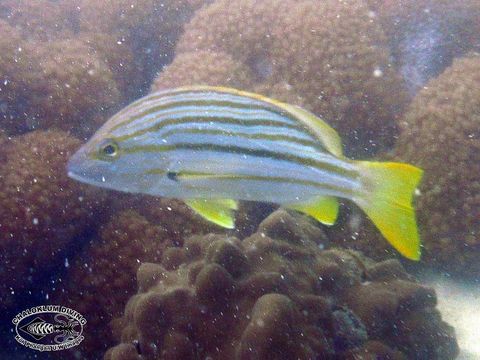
[[74, 88], [119, 58], [18, 73], [139, 230], [344, 76], [221, 298], [41, 210], [124, 17], [40, 19], [102, 278], [354, 230], [427, 35], [149, 28], [440, 133], [177, 219], [204, 68], [180, 222]]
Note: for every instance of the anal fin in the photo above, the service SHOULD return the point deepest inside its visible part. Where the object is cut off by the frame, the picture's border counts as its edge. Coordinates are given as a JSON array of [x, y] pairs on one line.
[[218, 211], [322, 208]]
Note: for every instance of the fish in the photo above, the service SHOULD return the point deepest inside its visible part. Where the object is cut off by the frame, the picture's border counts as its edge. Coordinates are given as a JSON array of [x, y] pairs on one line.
[[215, 146]]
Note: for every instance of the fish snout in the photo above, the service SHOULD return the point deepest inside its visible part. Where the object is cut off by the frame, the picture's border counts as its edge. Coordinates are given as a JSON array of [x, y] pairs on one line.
[[76, 165]]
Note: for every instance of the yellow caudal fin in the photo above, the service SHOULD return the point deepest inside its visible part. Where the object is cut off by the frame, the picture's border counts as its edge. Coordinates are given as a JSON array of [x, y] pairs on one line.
[[218, 211], [387, 199], [322, 208]]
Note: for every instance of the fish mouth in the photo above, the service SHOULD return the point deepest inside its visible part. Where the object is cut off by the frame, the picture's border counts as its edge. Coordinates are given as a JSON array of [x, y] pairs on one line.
[[76, 176], [81, 168]]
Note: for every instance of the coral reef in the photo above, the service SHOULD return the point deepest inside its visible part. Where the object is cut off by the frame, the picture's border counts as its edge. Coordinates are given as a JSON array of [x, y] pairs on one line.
[[108, 267], [67, 64], [41, 210], [354, 230], [277, 294], [75, 87], [149, 28], [204, 68], [180, 222], [139, 230], [440, 133], [427, 35], [119, 58], [18, 73], [177, 219], [42, 20], [59, 84], [305, 47]]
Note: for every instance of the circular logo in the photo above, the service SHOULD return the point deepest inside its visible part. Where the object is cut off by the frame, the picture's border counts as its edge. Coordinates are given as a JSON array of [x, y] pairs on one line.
[[49, 328]]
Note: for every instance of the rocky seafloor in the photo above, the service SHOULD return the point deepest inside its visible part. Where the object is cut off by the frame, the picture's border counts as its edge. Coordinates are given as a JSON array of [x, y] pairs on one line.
[[397, 80]]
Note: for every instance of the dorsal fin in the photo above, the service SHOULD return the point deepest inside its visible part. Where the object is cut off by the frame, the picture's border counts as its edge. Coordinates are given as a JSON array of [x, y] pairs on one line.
[[324, 132]]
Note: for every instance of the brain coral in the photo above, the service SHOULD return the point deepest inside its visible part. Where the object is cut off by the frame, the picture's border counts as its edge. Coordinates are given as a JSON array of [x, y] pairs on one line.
[[148, 27], [426, 35], [177, 219], [108, 267], [308, 46], [277, 295], [119, 58], [18, 72], [40, 19], [139, 229], [74, 88], [41, 210], [354, 230], [204, 68], [440, 133]]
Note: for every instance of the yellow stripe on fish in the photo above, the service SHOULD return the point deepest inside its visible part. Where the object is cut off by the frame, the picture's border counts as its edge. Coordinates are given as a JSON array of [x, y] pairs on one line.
[[213, 146]]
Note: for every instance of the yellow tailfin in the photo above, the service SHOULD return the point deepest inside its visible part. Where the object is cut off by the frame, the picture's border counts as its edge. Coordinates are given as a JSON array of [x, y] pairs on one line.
[[387, 200]]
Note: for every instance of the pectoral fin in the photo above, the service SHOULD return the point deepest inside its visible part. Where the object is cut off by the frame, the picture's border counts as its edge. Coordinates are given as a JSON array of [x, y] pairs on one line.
[[218, 211], [322, 208]]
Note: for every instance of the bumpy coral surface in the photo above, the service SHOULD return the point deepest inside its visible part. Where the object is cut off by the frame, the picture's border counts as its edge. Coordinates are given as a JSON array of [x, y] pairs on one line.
[[75, 87], [148, 27], [40, 19], [65, 64], [177, 219], [440, 133], [102, 278], [354, 230], [308, 46], [110, 261], [278, 295], [119, 58], [180, 222], [204, 68], [426, 35], [18, 72], [41, 210]]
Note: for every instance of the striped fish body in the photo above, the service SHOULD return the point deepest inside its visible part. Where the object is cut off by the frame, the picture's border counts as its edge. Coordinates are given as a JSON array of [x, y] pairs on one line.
[[238, 147], [212, 146]]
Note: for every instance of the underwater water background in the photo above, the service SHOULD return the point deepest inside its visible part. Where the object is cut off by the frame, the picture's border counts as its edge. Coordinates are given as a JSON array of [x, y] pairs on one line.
[[398, 80]]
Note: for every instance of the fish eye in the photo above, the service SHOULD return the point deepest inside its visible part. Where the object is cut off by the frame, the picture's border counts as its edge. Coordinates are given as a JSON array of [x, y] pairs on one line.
[[109, 149]]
